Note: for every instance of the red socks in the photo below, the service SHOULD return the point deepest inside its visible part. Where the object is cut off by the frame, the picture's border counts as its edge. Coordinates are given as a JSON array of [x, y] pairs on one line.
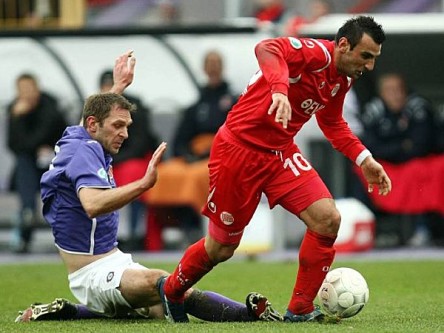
[[194, 265], [315, 257]]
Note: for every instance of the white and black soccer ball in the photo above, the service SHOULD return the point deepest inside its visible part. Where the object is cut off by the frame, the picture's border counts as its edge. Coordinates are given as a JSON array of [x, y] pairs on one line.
[[344, 293]]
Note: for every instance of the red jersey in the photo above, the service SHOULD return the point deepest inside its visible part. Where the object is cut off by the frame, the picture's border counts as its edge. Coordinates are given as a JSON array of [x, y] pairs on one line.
[[304, 70]]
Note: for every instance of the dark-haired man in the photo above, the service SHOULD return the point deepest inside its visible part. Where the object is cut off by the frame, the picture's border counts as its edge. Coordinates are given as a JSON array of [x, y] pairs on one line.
[[254, 152]]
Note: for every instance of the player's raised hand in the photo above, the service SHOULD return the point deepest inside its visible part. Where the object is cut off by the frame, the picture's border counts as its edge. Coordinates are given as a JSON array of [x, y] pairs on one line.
[[281, 106], [151, 171], [375, 175], [123, 72]]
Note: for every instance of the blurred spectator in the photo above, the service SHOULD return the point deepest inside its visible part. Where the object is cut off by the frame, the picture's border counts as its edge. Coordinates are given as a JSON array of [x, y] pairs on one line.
[[269, 11], [398, 123], [207, 114], [398, 127], [130, 162], [35, 123], [130, 12], [163, 12], [363, 6], [29, 13], [183, 180], [317, 9], [96, 7], [408, 6], [439, 129]]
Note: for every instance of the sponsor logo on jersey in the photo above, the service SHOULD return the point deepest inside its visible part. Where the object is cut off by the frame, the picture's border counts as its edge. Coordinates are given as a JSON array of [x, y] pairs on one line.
[[322, 85], [102, 173], [295, 43], [310, 106], [226, 218]]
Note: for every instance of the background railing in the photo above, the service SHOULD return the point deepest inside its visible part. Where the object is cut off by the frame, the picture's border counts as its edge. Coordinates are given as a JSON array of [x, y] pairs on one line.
[[25, 14]]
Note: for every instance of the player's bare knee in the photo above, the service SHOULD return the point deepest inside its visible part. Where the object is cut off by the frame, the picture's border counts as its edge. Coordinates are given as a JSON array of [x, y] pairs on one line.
[[150, 279], [222, 254], [151, 283], [155, 275], [335, 221], [225, 255], [329, 221]]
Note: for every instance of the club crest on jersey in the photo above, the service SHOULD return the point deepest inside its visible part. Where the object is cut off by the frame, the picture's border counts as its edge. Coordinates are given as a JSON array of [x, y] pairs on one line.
[[102, 173], [226, 218], [335, 89], [296, 43]]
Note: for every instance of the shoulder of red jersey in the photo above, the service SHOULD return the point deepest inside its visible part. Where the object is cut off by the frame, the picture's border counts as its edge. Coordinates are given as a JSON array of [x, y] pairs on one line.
[[317, 52]]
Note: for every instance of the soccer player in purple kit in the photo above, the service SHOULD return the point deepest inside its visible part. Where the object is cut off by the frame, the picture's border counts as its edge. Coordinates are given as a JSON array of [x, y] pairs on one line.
[[81, 202]]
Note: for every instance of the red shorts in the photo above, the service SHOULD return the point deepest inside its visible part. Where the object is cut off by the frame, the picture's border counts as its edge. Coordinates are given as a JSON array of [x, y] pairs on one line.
[[239, 174]]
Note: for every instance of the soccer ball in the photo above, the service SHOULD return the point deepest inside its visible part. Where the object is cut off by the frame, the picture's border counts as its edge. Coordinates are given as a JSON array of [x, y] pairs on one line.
[[343, 293]]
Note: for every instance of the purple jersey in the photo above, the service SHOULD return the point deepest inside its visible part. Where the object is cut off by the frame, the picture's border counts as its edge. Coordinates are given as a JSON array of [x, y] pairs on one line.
[[80, 162]]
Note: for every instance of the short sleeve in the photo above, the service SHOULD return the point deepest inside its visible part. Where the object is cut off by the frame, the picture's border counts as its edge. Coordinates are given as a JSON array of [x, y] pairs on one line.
[[88, 168]]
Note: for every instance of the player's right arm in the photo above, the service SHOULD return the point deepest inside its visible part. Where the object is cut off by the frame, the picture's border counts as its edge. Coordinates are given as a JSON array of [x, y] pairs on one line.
[[281, 59], [282, 108]]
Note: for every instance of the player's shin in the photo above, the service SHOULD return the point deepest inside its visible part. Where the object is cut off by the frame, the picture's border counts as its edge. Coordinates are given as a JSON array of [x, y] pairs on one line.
[[194, 264], [211, 306], [84, 313], [316, 255]]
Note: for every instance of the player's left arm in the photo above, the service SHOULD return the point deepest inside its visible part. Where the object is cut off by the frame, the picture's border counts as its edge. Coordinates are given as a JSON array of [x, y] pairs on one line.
[[337, 131], [375, 175], [123, 74]]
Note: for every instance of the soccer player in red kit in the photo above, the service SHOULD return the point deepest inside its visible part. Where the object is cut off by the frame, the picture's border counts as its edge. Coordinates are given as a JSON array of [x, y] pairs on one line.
[[254, 153]]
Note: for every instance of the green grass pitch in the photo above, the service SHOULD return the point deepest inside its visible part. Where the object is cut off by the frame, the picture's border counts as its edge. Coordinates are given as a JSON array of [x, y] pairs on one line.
[[405, 296]]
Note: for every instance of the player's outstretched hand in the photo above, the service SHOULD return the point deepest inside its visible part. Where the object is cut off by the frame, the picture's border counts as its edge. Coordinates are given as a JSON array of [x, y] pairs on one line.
[[123, 72], [375, 175], [151, 171], [282, 107]]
